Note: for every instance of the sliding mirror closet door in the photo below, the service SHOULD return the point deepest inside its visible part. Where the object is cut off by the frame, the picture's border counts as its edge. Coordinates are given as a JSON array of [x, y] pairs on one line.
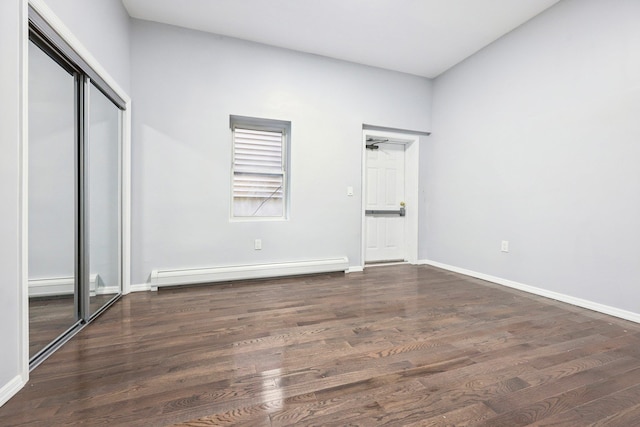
[[74, 191], [104, 199], [52, 189]]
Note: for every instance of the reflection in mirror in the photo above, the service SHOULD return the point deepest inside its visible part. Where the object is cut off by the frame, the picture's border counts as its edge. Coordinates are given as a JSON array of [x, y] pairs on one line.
[[52, 203], [104, 200]]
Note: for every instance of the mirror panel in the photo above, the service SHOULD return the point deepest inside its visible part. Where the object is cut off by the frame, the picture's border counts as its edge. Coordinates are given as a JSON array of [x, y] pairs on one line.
[[52, 201], [104, 199]]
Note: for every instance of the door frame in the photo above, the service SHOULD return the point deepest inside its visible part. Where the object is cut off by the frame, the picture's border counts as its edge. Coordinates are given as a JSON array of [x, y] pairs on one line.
[[411, 169]]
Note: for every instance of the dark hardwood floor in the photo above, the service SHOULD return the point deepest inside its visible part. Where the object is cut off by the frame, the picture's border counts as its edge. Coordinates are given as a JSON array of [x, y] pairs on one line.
[[401, 345], [49, 317]]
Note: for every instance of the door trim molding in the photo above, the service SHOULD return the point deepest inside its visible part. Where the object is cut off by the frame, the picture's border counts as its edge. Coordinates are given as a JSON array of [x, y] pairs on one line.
[[411, 172], [23, 346], [396, 130], [11, 388]]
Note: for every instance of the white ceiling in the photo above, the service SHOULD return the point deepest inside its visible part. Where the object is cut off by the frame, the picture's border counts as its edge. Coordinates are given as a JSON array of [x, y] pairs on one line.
[[422, 37]]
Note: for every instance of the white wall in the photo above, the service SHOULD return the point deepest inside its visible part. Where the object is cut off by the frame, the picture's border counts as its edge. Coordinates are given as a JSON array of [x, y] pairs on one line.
[[186, 84], [536, 140], [11, 30]]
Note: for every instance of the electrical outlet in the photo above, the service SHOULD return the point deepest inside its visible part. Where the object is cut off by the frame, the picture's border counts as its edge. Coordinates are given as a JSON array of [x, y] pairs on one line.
[[505, 246], [257, 245]]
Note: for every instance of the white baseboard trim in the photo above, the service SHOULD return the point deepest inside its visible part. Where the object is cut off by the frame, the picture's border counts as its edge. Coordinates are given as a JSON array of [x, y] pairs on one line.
[[107, 290], [52, 286], [355, 269], [140, 287], [11, 388], [579, 302], [161, 278]]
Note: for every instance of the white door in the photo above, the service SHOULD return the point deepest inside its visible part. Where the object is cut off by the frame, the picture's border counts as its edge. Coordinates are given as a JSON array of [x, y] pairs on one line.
[[384, 227]]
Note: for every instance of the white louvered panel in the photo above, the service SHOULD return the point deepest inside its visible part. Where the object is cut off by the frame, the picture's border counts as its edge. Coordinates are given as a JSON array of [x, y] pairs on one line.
[[260, 186], [257, 151], [258, 173]]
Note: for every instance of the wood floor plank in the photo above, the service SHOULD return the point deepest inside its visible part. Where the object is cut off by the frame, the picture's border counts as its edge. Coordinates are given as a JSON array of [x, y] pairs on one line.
[[598, 411], [425, 405], [467, 416], [556, 404], [400, 345], [625, 418], [337, 400], [552, 388]]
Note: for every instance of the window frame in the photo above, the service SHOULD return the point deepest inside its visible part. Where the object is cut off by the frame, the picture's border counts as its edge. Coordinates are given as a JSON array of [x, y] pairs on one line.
[[268, 125]]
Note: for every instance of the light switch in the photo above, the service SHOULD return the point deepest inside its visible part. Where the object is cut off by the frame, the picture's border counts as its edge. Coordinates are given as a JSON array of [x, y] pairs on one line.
[[349, 191]]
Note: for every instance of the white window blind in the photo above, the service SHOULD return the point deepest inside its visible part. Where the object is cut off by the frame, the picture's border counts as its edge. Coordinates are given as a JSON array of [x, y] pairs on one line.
[[259, 175]]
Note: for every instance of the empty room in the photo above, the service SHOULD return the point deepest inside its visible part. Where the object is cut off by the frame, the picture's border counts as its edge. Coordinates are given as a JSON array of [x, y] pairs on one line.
[[339, 212]]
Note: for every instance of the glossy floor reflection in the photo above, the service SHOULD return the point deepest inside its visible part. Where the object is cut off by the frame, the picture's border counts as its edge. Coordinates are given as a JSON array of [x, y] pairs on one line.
[[401, 345], [49, 317]]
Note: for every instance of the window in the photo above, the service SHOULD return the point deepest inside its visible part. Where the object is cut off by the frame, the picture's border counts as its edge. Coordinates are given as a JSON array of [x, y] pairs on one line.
[[259, 168]]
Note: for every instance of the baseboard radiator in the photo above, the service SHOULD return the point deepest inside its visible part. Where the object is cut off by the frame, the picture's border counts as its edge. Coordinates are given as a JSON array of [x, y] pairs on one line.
[[160, 278]]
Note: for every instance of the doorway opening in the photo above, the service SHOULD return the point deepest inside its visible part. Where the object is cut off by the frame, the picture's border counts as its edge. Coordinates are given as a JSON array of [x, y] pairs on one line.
[[390, 198]]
